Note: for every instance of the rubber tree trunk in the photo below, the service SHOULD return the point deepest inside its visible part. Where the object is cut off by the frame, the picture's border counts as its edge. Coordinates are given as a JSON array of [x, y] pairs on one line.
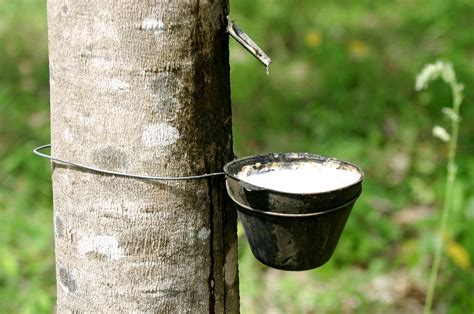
[[142, 87]]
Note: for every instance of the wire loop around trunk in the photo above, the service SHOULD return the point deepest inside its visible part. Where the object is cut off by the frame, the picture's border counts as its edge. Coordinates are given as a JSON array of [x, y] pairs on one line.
[[37, 151]]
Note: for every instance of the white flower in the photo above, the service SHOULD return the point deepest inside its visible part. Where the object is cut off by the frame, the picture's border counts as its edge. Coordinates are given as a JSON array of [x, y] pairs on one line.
[[433, 71], [450, 114], [441, 133], [448, 74]]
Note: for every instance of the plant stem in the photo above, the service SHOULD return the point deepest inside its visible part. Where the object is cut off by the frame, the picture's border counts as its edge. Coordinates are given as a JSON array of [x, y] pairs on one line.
[[448, 197]]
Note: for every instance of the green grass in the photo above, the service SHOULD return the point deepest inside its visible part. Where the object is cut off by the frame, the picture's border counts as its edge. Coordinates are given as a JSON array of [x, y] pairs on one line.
[[341, 84]]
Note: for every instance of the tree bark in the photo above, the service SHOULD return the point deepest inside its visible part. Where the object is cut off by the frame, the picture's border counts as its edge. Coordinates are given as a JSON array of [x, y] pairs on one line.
[[142, 87]]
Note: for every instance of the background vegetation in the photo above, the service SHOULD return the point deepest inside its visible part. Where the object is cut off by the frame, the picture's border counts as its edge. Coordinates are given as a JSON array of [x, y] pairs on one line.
[[341, 84]]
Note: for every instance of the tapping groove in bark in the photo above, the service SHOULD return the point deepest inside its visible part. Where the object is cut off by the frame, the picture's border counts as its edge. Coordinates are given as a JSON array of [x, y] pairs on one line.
[[142, 87]]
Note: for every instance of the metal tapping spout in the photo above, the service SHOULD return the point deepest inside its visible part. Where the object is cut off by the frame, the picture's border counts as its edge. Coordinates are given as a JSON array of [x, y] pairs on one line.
[[247, 43]]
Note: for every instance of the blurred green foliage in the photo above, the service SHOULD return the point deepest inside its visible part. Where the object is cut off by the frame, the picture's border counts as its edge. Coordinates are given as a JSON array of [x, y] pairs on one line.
[[341, 84], [27, 280]]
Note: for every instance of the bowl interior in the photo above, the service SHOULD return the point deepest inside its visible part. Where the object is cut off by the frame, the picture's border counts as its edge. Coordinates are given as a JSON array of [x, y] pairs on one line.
[[296, 173], [292, 182]]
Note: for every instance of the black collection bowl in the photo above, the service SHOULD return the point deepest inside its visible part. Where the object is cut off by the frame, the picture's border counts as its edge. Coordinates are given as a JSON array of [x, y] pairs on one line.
[[290, 231]]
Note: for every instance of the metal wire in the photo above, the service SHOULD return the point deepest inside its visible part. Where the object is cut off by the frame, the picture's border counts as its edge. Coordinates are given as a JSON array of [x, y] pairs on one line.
[[37, 150]]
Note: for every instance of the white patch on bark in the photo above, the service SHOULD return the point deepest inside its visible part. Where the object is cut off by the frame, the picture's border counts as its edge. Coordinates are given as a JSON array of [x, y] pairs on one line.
[[52, 72], [203, 233], [118, 85], [108, 30], [152, 24], [67, 135], [105, 245], [159, 135], [101, 64]]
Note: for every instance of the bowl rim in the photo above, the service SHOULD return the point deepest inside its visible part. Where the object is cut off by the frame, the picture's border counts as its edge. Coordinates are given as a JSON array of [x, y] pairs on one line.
[[300, 154]]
